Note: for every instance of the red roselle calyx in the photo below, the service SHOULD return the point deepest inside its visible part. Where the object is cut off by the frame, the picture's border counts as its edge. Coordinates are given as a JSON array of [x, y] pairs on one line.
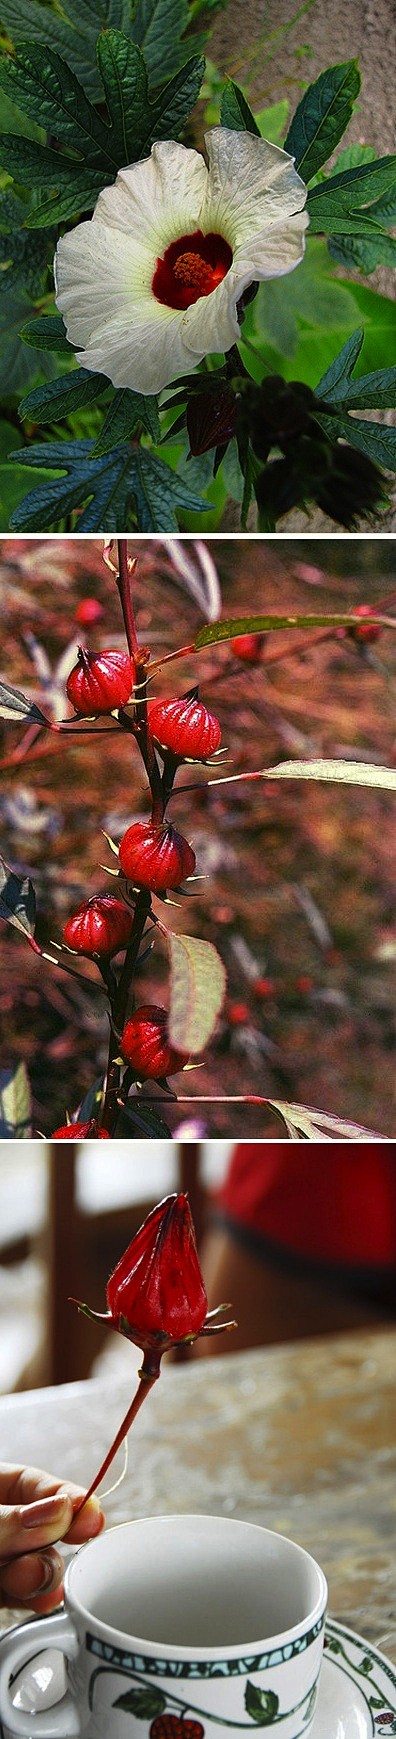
[[89, 611], [185, 727], [80, 1131], [100, 926], [145, 1045], [155, 857], [100, 682], [248, 647], [156, 1297]]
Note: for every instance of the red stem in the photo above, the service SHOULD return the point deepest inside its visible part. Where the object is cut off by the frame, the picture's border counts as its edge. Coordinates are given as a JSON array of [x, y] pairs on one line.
[[145, 1384], [124, 588]]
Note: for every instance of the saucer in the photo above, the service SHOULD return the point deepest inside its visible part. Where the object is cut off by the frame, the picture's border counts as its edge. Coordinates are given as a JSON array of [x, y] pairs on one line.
[[356, 1698]]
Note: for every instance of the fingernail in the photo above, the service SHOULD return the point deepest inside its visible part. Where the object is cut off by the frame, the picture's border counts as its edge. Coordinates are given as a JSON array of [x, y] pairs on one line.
[[45, 1513], [45, 1567]]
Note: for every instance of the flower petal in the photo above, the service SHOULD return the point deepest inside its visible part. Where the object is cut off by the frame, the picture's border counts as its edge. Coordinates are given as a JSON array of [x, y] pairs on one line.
[[252, 185], [156, 200]]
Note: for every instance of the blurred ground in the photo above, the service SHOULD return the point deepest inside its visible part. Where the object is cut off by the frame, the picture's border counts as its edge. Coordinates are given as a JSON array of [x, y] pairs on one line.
[[299, 880]]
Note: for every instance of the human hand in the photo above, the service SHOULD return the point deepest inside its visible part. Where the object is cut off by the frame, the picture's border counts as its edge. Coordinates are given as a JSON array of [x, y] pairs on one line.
[[35, 1510]]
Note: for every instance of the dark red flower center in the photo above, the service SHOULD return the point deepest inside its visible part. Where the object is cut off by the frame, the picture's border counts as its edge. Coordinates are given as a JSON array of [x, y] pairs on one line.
[[191, 267]]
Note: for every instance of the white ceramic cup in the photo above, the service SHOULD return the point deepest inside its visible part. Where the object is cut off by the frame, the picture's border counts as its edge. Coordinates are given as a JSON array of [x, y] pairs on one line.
[[174, 1628]]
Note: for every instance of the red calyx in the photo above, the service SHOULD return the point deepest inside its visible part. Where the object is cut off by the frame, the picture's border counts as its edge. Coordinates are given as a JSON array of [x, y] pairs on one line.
[[155, 857], [101, 926], [211, 419], [145, 1045], [248, 647], [79, 1131], [89, 611], [191, 267], [100, 682], [157, 1287], [185, 726], [368, 632]]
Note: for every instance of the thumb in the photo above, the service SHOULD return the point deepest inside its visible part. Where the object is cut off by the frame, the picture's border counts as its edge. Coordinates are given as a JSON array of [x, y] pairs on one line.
[[28, 1527]]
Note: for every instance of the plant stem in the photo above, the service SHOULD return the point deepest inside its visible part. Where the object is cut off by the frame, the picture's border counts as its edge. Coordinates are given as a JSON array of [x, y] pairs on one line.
[[110, 1108], [147, 1377], [124, 588]]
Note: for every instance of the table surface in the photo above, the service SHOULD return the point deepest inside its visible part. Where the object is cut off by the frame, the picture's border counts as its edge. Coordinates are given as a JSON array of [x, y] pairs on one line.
[[300, 1438]]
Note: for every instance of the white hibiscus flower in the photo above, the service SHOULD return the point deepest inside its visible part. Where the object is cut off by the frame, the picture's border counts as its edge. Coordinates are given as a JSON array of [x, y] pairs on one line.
[[151, 284]]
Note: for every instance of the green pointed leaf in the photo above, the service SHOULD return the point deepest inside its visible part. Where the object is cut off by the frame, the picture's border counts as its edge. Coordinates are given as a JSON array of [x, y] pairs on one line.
[[15, 1104], [159, 28], [14, 705], [121, 488], [17, 900], [335, 383], [335, 206], [144, 1701], [307, 1124], [23, 257], [56, 398], [235, 111], [143, 1118], [335, 773], [375, 391], [262, 1706], [46, 332], [363, 255], [322, 116], [127, 412], [230, 629], [197, 990], [272, 122]]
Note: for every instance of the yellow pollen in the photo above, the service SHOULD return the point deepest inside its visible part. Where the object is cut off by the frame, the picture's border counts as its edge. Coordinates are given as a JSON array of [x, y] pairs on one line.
[[193, 271]]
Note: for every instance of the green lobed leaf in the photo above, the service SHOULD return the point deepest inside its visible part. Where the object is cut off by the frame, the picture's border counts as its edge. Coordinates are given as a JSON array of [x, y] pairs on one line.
[[17, 900], [231, 628], [197, 990], [322, 116], [46, 88], [23, 258], [262, 1706], [376, 391], [375, 439], [235, 111], [305, 1122], [336, 381], [127, 412], [14, 705], [73, 33], [15, 1104], [363, 255], [114, 487], [313, 297], [335, 206], [56, 398], [144, 1701]]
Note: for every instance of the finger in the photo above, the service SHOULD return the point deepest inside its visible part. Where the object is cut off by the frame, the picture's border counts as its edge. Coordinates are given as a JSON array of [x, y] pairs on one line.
[[90, 1522], [30, 1527], [35, 1574]]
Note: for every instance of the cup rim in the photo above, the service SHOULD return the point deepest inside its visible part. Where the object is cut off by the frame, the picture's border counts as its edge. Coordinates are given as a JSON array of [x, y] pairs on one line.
[[165, 1651]]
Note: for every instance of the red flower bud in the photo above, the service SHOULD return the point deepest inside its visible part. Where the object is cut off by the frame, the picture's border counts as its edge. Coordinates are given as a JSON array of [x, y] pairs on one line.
[[89, 611], [155, 857], [100, 682], [248, 647], [157, 1288], [101, 925], [211, 421], [185, 726], [365, 631], [79, 1131], [145, 1045]]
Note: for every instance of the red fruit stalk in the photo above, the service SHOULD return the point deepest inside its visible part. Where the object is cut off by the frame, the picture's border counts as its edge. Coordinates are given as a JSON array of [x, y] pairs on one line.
[[145, 1045], [155, 856], [185, 727], [100, 926], [100, 682], [156, 1297]]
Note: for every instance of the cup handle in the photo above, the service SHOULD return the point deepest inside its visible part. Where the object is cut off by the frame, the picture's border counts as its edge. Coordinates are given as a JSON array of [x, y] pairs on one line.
[[17, 1648]]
